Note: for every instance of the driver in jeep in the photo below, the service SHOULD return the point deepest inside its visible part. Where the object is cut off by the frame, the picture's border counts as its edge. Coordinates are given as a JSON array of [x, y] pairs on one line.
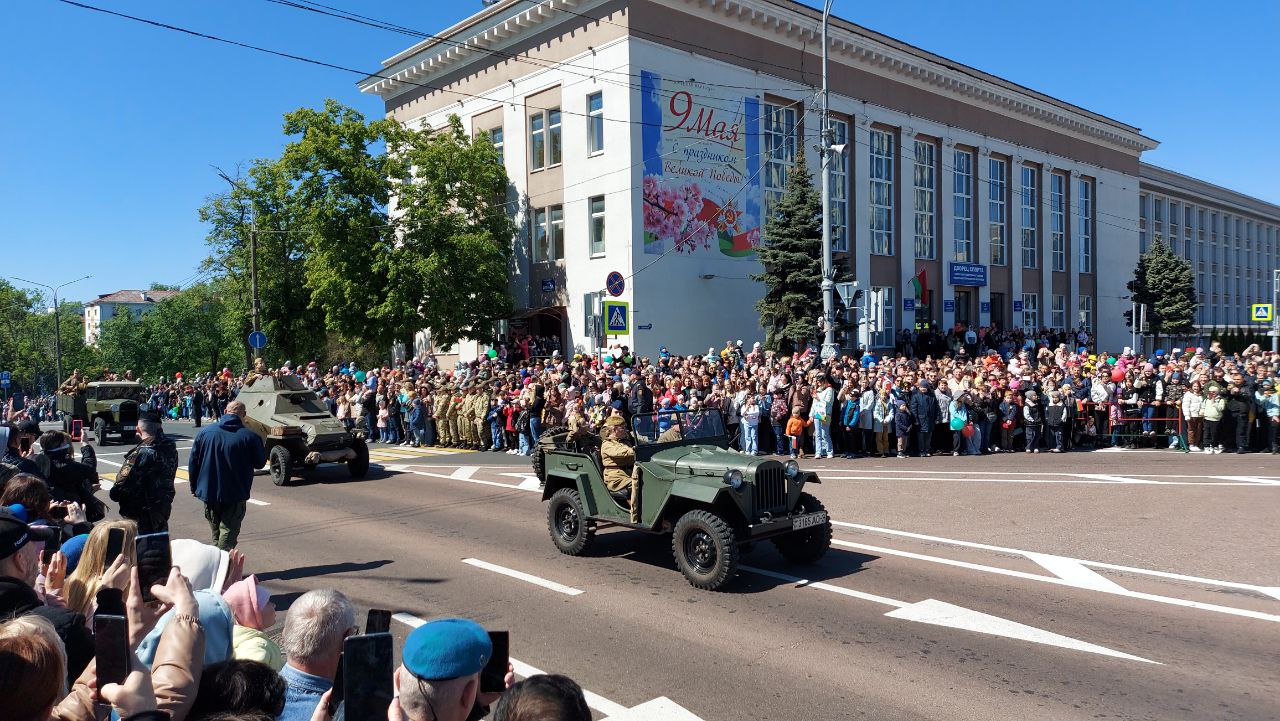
[[619, 460]]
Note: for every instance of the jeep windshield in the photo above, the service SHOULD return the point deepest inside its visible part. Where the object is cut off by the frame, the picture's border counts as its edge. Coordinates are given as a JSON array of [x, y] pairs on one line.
[[670, 426], [137, 394], [299, 402]]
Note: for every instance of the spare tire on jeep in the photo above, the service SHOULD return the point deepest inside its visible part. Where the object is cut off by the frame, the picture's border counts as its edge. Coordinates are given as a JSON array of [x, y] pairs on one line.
[[550, 438]]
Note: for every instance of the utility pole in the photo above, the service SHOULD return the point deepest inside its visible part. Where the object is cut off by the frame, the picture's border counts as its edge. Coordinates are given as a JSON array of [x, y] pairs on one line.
[[256, 305], [1275, 304], [828, 273], [57, 325]]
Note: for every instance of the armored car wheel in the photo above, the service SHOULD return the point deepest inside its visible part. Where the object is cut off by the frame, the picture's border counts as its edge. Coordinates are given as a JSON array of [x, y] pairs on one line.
[[100, 431], [705, 550], [280, 462], [571, 530], [358, 467], [545, 441], [810, 544]]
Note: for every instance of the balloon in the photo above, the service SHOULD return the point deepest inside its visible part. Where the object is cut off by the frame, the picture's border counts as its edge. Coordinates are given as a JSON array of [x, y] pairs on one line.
[[608, 359], [957, 423], [492, 353], [1111, 361], [967, 430], [1117, 376], [178, 375], [360, 376]]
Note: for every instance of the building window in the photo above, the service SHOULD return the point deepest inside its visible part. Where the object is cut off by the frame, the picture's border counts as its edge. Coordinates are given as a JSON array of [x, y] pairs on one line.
[[1084, 225], [838, 172], [1058, 313], [595, 123], [1058, 220], [881, 196], [780, 151], [537, 141], [553, 136], [882, 317], [1085, 319], [926, 174], [495, 137], [962, 205], [997, 234], [597, 225], [548, 234], [1030, 312], [1029, 197]]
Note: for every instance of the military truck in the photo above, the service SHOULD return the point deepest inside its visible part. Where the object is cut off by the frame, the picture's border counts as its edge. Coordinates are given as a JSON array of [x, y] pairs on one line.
[[710, 499], [108, 407], [298, 430]]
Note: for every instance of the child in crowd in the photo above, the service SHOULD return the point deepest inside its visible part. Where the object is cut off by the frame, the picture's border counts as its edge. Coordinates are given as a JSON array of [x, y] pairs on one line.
[[254, 614], [902, 427], [796, 425]]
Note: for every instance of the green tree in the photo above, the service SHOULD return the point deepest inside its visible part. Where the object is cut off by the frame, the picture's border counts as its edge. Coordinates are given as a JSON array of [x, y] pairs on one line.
[[792, 260], [1165, 284], [27, 339], [187, 332]]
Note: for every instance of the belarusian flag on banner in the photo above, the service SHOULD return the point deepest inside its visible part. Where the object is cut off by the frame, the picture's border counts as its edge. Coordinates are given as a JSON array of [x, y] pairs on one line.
[[920, 284]]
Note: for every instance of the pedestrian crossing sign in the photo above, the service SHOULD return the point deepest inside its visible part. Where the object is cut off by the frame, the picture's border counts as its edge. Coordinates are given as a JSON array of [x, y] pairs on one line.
[[1261, 313], [617, 318]]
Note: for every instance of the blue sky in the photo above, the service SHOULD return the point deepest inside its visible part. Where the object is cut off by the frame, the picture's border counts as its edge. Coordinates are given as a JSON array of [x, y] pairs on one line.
[[111, 127]]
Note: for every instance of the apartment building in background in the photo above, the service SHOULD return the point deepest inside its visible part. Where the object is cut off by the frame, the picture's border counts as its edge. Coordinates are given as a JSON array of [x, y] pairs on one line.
[[108, 305], [1232, 241], [650, 138]]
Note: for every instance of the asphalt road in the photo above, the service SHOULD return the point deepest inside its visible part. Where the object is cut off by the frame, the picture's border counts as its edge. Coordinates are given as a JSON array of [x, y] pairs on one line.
[[1123, 585]]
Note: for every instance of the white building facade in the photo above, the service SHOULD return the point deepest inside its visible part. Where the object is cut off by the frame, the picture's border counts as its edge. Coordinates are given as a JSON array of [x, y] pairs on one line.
[[648, 138], [1232, 241], [107, 306]]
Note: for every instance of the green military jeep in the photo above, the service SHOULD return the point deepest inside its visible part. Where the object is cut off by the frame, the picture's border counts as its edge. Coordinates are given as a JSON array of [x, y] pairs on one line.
[[710, 498], [298, 430], [108, 407]]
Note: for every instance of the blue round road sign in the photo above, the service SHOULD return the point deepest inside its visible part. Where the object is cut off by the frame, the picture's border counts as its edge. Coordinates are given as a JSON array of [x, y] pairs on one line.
[[615, 283], [257, 340]]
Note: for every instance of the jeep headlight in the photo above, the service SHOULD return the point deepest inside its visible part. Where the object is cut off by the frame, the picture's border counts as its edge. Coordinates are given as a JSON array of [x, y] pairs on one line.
[[733, 478], [115, 407], [792, 469]]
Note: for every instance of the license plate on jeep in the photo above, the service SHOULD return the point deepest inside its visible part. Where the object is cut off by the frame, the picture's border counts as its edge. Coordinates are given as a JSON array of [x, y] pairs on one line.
[[127, 428], [808, 520]]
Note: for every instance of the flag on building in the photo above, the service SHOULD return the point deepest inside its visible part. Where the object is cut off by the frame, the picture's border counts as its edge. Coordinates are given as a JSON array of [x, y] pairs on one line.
[[920, 283]]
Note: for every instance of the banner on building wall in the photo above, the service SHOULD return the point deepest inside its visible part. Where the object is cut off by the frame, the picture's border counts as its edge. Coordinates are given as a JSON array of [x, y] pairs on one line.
[[701, 168]]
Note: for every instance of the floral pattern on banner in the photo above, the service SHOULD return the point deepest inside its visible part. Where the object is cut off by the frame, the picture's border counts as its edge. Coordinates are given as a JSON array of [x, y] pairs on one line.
[[702, 184]]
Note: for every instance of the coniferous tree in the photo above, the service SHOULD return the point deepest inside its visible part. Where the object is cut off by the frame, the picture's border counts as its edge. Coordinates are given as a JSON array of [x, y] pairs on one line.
[[792, 258], [1170, 280]]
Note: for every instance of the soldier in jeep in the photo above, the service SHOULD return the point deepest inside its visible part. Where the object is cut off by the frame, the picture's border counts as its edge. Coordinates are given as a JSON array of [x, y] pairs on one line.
[[618, 461]]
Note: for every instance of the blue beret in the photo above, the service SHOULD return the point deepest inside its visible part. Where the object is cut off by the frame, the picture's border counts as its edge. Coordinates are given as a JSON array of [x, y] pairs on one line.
[[448, 648]]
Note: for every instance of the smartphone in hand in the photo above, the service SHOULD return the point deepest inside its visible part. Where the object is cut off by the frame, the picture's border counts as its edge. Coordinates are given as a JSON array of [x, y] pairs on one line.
[[366, 675], [378, 621], [115, 546], [111, 648], [154, 561], [52, 546], [336, 693], [493, 677]]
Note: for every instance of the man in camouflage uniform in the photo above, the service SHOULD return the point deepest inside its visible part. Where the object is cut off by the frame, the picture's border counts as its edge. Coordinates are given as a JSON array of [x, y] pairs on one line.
[[479, 408], [440, 411], [451, 413], [144, 484]]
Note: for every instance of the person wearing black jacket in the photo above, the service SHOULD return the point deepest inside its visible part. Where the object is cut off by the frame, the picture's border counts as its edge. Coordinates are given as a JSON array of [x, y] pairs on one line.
[[70, 480], [19, 566], [1032, 420], [144, 484], [924, 407], [640, 400], [1239, 401]]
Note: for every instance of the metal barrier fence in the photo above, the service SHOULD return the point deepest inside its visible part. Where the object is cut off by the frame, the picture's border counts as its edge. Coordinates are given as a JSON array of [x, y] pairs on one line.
[[1124, 420]]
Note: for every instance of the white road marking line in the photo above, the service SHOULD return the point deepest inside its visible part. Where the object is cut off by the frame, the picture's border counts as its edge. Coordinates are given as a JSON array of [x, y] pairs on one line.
[[897, 469], [521, 575], [659, 709], [256, 502], [1093, 564], [1230, 610], [940, 613], [802, 583], [1250, 479], [1069, 569], [1113, 479], [528, 481], [409, 469], [892, 477], [524, 670], [464, 473]]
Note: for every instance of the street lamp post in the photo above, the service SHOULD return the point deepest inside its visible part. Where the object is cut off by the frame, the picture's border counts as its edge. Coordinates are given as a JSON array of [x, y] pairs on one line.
[[57, 325], [824, 141]]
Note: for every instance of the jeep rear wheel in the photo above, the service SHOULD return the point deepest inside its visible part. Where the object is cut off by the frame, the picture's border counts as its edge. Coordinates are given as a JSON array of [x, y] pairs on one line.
[[100, 431], [571, 530], [705, 550], [810, 544], [545, 442], [280, 463]]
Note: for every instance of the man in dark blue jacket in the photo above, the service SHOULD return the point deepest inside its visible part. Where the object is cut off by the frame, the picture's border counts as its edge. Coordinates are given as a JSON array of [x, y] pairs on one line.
[[223, 459], [924, 406]]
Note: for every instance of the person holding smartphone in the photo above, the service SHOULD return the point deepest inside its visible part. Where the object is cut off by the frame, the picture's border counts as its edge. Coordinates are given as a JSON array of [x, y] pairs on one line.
[[13, 458], [439, 674]]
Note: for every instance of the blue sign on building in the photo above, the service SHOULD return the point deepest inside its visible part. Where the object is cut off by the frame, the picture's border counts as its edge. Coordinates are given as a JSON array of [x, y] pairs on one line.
[[909, 305], [970, 274], [548, 285], [985, 306], [1017, 306], [948, 306]]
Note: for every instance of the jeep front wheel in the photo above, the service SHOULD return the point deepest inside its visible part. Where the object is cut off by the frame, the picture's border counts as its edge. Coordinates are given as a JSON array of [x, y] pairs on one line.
[[705, 549], [280, 462], [810, 544], [571, 530]]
